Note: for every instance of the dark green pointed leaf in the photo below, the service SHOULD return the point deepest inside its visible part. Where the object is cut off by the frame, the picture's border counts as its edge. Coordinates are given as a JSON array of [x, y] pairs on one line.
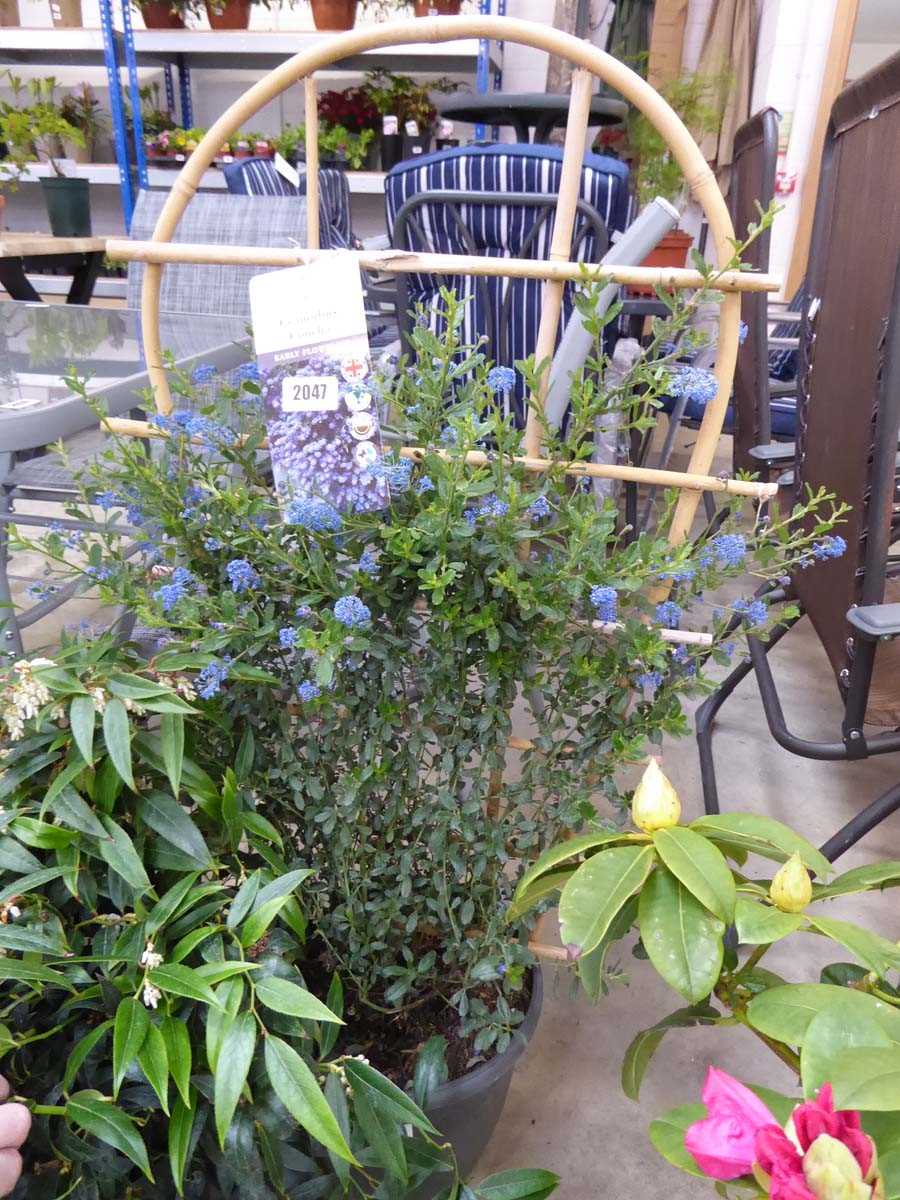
[[701, 868], [180, 980], [682, 938], [178, 1054], [538, 890], [383, 1136], [285, 997], [235, 1057], [181, 1127], [644, 1045], [108, 1123], [168, 904], [167, 817], [15, 969], [255, 926], [243, 900], [132, 1023], [117, 849], [82, 714], [229, 995], [598, 890], [69, 808], [667, 1135], [385, 1096], [20, 937], [29, 883], [81, 1050], [431, 1069], [153, 1059], [117, 735], [171, 733], [295, 1086], [528, 1183]]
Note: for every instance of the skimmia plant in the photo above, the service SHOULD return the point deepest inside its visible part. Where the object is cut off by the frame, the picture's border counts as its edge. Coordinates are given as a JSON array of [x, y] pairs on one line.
[[389, 647], [154, 1013], [683, 887]]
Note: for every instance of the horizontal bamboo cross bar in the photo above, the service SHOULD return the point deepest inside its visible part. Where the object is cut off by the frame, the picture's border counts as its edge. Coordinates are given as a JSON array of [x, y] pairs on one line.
[[648, 475], [437, 264]]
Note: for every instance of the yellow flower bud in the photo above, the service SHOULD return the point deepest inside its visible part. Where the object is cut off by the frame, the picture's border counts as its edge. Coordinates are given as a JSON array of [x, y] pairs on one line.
[[832, 1172], [655, 804], [791, 888]]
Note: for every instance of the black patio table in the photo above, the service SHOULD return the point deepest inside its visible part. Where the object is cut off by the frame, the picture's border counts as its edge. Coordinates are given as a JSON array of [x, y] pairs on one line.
[[525, 111], [23, 252]]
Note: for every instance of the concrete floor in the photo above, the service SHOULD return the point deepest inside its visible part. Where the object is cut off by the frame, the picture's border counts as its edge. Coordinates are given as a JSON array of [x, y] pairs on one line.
[[566, 1110]]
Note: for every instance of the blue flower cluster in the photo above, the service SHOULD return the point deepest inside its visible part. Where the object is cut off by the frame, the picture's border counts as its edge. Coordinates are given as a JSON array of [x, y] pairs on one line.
[[209, 681], [303, 612], [368, 563], [396, 472], [314, 514], [287, 637], [501, 379], [669, 614], [605, 600], [694, 383], [490, 507], [424, 485], [99, 573], [829, 547], [203, 373], [193, 498], [212, 544], [241, 575], [186, 423], [41, 591], [754, 612], [539, 509], [308, 691], [351, 611], [681, 655], [176, 589], [246, 373], [725, 550], [108, 500], [649, 680]]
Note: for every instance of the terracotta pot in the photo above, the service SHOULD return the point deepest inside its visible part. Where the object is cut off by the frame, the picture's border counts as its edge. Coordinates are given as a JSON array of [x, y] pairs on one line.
[[671, 251], [9, 12], [334, 14], [436, 8], [235, 14], [66, 14], [158, 15]]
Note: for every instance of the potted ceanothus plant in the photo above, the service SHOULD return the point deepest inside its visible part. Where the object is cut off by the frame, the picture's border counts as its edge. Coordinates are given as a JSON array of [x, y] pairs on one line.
[[832, 1130], [155, 1018], [386, 648]]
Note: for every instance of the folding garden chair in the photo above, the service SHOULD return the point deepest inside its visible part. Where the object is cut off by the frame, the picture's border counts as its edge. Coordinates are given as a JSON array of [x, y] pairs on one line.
[[848, 420], [258, 177], [498, 201]]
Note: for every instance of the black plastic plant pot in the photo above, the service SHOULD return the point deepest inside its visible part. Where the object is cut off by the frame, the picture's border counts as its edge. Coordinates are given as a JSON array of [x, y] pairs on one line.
[[467, 1110], [415, 147], [68, 204], [391, 150]]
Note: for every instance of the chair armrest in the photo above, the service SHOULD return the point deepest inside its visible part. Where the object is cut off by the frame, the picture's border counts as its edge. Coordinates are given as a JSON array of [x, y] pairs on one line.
[[380, 241], [779, 388], [875, 621], [773, 452]]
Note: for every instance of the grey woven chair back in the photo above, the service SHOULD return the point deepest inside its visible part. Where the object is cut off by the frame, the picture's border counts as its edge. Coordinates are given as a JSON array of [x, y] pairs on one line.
[[846, 429], [222, 220], [752, 182]]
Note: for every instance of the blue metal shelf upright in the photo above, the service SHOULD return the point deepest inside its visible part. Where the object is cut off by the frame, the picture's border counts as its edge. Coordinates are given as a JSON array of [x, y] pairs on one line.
[[119, 55]]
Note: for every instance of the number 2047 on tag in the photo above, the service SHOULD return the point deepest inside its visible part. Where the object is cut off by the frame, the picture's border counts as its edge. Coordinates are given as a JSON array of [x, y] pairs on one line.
[[309, 393]]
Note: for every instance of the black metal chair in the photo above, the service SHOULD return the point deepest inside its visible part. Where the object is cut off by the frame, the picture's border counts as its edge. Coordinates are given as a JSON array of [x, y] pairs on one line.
[[848, 422]]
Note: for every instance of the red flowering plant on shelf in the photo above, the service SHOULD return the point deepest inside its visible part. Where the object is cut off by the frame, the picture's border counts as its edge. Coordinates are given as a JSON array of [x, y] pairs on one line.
[[352, 108]]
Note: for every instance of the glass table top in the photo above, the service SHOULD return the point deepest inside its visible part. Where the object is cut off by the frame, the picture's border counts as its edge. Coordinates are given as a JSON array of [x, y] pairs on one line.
[[40, 343]]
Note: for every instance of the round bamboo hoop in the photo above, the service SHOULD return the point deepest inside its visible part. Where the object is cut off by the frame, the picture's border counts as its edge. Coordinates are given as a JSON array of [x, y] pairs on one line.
[[588, 60]]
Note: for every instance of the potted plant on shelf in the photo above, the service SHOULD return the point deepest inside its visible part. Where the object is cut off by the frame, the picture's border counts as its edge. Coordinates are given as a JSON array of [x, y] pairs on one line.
[[158, 1025], [352, 110], [66, 14], [230, 14], [385, 650], [694, 97], [334, 15], [36, 131], [407, 113], [82, 110], [164, 14]]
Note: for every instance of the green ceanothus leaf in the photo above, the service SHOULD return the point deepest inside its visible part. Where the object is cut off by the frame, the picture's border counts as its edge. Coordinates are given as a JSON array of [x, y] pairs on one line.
[[701, 868], [598, 890], [683, 939]]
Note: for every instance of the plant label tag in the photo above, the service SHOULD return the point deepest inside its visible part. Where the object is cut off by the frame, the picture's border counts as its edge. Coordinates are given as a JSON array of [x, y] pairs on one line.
[[286, 171], [309, 330]]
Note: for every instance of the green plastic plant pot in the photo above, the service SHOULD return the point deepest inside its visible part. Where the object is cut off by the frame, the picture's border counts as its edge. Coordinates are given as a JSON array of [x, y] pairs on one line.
[[68, 206]]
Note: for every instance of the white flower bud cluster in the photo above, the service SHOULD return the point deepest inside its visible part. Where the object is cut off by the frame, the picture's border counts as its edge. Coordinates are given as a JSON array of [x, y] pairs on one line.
[[24, 695], [100, 698], [150, 959], [151, 996]]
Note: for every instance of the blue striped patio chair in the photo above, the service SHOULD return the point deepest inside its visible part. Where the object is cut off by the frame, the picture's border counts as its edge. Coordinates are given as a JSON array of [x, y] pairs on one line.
[[498, 201]]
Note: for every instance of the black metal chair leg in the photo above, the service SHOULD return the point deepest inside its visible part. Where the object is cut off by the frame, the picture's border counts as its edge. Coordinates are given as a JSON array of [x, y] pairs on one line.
[[864, 822]]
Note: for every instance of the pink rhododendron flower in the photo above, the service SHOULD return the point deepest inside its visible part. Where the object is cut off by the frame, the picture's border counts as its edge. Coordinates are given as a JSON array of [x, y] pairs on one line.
[[724, 1143], [740, 1135]]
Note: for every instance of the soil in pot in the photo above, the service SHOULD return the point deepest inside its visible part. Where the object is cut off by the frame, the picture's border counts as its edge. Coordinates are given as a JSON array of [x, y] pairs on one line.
[[233, 14], [158, 14], [437, 8], [334, 14], [68, 206], [66, 14]]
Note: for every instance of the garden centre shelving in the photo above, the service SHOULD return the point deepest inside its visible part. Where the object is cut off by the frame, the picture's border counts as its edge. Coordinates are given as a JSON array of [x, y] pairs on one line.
[[122, 49]]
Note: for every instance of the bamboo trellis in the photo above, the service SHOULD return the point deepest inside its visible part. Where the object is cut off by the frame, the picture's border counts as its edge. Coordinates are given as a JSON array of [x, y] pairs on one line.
[[590, 62]]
